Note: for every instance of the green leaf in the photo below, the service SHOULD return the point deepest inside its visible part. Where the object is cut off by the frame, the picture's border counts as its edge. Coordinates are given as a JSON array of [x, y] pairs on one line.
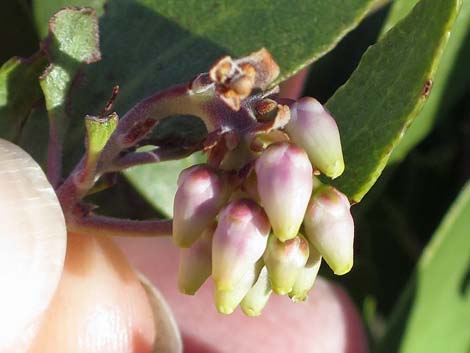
[[19, 92], [434, 311], [45, 9], [72, 40], [149, 45], [99, 130], [387, 91], [440, 97], [157, 182]]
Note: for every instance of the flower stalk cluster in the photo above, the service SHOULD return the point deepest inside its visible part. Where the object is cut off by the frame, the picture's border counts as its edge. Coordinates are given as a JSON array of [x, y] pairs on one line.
[[252, 218], [254, 221]]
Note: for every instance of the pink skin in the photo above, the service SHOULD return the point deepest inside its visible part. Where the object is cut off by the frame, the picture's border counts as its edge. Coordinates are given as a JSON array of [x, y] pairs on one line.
[[293, 87], [99, 305], [327, 322]]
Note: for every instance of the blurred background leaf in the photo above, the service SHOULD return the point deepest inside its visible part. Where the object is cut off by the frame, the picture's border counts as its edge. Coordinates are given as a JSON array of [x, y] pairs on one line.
[[434, 311], [17, 30], [19, 93]]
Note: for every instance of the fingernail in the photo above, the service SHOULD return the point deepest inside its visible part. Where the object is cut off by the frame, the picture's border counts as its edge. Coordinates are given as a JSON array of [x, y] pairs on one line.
[[315, 130], [285, 185], [330, 227], [239, 241]]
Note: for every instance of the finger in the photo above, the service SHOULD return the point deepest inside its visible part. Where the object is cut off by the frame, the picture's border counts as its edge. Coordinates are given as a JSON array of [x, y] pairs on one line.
[[293, 87], [32, 247], [327, 322], [99, 306]]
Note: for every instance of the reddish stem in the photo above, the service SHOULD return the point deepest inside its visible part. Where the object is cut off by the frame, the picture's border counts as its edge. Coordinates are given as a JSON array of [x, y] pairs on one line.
[[110, 226], [54, 156]]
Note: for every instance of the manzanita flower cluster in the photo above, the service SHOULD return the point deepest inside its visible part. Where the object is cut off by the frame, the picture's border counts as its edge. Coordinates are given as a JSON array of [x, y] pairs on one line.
[[255, 217], [259, 224]]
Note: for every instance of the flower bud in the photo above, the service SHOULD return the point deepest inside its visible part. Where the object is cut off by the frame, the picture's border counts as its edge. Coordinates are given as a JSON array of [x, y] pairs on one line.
[[201, 194], [196, 263], [284, 261], [227, 301], [284, 185], [330, 227], [315, 130], [239, 241], [306, 278], [257, 297]]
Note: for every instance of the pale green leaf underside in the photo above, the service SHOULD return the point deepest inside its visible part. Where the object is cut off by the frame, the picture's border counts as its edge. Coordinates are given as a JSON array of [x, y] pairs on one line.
[[387, 90], [433, 315], [157, 182]]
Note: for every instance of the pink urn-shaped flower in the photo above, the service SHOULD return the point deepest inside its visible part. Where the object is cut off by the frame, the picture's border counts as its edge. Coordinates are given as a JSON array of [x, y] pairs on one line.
[[202, 192], [315, 130], [330, 227], [239, 242], [285, 185]]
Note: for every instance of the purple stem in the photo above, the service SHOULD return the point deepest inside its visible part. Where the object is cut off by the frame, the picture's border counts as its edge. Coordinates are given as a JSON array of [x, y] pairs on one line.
[[110, 226], [54, 156], [160, 154]]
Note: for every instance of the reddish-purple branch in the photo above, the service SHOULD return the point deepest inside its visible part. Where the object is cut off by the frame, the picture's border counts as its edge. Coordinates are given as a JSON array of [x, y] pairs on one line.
[[110, 226], [54, 155], [156, 155]]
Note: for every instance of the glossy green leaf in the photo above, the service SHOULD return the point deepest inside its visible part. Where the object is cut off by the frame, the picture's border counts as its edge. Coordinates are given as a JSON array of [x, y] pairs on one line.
[[433, 314], [443, 89], [19, 92], [149, 45], [296, 32], [387, 91]]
